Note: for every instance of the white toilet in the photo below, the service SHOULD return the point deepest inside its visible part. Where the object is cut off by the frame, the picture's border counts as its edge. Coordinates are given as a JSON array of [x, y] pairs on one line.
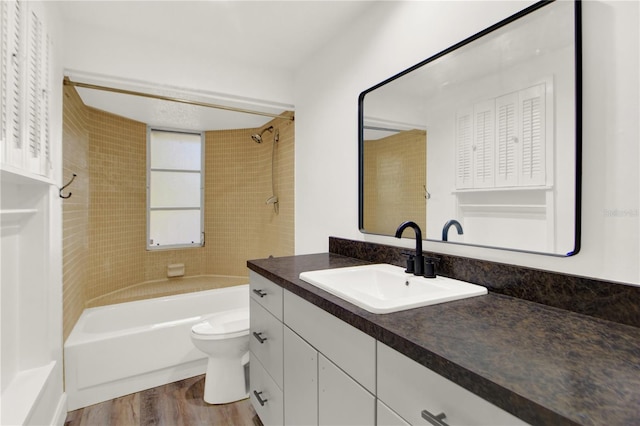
[[224, 337]]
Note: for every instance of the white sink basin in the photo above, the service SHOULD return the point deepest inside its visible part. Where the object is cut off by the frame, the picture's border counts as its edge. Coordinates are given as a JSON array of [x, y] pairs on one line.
[[383, 288]]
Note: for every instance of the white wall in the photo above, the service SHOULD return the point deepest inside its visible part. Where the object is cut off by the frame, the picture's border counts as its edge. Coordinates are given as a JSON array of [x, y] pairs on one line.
[[396, 35], [95, 50]]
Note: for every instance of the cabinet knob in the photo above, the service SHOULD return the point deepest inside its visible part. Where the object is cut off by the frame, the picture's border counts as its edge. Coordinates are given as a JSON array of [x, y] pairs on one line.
[[259, 398], [435, 420], [259, 337], [259, 292]]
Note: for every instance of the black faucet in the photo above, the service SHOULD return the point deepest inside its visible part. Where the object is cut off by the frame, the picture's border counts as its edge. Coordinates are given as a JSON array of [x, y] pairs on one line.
[[418, 260], [445, 229]]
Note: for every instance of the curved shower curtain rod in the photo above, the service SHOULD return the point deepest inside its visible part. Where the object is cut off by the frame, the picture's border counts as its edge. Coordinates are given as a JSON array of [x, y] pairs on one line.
[[67, 82]]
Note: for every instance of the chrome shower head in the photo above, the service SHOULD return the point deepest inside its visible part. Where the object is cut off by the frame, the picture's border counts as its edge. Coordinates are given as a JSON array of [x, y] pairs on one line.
[[257, 137]]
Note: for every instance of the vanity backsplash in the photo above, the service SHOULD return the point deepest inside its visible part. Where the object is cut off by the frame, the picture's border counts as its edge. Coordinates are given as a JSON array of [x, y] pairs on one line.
[[601, 299]]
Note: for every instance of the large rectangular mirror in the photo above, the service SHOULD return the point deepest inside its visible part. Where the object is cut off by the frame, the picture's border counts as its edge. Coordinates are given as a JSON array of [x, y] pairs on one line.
[[480, 144]]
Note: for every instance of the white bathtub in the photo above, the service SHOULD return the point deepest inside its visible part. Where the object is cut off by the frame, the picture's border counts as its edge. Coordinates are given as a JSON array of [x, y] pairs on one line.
[[119, 349]]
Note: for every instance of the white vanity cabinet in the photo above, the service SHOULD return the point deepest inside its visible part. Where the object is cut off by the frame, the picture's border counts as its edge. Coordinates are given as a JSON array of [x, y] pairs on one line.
[[307, 366], [265, 347], [310, 368], [417, 394]]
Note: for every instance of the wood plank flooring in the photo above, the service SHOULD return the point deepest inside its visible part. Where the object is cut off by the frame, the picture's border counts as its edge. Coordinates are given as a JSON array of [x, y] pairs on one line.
[[175, 404]]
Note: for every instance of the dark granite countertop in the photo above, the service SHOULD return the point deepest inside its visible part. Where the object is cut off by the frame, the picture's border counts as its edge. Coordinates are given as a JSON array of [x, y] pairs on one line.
[[545, 365]]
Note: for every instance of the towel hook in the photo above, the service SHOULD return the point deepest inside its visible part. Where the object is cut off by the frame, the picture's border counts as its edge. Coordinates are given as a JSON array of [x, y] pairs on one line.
[[69, 183]]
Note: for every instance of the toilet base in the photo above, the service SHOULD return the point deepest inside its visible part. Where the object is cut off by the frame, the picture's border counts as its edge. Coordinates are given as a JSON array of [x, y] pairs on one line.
[[225, 380]]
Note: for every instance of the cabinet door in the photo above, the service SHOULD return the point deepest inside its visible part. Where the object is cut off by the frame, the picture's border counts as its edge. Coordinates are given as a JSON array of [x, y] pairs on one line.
[[387, 417], [265, 340], [341, 400], [300, 381]]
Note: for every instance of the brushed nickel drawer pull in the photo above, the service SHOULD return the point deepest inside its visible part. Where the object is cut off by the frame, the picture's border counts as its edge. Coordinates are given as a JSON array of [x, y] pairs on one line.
[[435, 420], [260, 400], [259, 337]]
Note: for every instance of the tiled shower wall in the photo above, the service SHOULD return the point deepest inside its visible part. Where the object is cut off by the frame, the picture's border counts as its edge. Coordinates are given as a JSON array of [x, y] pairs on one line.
[[394, 175], [75, 210], [104, 222]]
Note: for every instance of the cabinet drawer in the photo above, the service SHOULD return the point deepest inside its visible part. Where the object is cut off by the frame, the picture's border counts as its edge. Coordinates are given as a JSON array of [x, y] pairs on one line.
[[408, 388], [266, 293], [265, 340], [265, 395], [348, 347]]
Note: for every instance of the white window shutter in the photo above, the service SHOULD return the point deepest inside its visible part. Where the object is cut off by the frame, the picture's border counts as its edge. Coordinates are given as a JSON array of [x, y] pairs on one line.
[[532, 138], [35, 70], [506, 140], [483, 144], [12, 15], [464, 146], [4, 71]]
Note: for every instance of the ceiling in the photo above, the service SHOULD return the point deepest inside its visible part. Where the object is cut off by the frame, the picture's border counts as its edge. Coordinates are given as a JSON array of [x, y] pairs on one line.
[[276, 34]]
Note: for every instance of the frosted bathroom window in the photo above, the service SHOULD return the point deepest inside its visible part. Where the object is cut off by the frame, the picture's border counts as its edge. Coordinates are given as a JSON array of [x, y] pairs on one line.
[[175, 151], [174, 228], [175, 189]]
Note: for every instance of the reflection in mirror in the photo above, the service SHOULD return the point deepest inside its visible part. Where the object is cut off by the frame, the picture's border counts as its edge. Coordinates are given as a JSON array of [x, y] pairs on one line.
[[484, 133]]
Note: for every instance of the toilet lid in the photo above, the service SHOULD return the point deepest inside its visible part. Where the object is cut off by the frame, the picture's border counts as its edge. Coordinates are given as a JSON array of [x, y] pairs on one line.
[[227, 324]]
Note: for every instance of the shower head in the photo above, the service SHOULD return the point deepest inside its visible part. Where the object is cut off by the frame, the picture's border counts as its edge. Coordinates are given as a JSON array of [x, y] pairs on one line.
[[257, 137]]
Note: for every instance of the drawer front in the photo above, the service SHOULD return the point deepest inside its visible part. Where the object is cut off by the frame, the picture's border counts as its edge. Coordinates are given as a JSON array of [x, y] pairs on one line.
[[409, 388], [348, 347], [265, 340], [266, 293], [387, 417], [265, 395]]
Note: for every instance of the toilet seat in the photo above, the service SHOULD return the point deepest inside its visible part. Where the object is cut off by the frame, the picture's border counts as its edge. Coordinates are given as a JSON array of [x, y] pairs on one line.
[[223, 325]]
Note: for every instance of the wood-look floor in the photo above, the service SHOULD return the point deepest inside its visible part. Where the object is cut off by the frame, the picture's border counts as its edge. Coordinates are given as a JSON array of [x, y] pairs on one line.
[[175, 404]]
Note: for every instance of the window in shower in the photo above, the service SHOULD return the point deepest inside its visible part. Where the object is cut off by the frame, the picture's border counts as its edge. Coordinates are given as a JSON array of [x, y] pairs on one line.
[[175, 189]]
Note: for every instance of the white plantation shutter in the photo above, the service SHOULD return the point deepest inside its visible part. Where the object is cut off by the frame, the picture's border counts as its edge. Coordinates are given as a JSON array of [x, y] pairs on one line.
[[506, 143], [464, 146], [532, 139], [4, 49], [12, 15], [24, 86], [33, 98], [483, 144], [45, 141], [506, 140]]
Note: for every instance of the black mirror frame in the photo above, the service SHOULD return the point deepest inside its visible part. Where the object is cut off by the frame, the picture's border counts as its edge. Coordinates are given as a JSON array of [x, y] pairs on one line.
[[578, 123]]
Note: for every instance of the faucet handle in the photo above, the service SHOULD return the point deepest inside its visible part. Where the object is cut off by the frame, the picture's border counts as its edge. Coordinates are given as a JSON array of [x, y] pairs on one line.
[[430, 267], [411, 263]]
